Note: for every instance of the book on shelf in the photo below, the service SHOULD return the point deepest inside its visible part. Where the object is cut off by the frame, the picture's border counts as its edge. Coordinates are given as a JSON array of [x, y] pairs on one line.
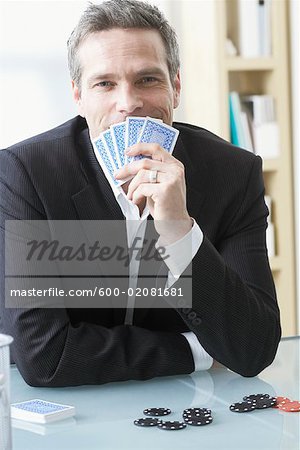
[[253, 124], [270, 240], [239, 124], [264, 127], [270, 233], [254, 28], [264, 26], [268, 202]]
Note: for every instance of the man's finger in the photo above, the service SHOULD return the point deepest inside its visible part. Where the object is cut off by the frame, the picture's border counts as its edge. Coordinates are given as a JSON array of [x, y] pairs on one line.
[[142, 177], [153, 150], [145, 190], [134, 167]]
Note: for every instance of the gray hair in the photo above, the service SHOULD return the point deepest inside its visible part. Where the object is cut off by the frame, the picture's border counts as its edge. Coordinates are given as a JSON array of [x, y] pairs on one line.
[[122, 14]]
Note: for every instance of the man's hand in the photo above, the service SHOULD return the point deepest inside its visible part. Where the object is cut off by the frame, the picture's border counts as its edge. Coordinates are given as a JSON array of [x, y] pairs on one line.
[[165, 196]]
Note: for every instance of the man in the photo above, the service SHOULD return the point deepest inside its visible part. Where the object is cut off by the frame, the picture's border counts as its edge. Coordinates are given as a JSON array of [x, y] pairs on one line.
[[123, 60]]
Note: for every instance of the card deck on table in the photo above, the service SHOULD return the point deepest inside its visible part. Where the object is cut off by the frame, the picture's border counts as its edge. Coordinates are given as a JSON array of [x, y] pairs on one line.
[[41, 411], [45, 428]]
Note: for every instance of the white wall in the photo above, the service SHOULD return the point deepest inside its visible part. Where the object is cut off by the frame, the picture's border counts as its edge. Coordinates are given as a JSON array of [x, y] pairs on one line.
[[34, 79], [196, 21]]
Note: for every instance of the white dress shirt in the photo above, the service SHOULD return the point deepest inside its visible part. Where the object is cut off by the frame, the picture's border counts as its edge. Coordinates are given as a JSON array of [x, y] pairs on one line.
[[179, 258]]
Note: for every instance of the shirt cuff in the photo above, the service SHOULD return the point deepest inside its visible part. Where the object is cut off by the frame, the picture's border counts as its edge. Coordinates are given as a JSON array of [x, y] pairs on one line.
[[181, 252], [202, 360]]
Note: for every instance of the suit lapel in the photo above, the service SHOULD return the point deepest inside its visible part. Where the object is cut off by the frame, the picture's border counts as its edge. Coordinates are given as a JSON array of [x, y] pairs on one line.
[[96, 201], [107, 206], [195, 178]]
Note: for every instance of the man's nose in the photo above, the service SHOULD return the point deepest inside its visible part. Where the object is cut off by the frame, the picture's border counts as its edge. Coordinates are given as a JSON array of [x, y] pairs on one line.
[[128, 100]]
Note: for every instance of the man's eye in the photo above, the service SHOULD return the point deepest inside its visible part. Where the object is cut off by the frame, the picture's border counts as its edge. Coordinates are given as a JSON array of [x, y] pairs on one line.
[[146, 80], [104, 84]]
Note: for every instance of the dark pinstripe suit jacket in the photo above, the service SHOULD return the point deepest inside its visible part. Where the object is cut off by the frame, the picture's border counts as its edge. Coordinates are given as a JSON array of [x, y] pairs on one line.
[[56, 176]]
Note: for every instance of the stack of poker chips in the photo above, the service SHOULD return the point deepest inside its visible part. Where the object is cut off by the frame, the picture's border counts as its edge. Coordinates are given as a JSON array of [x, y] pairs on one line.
[[202, 416], [191, 416], [263, 401]]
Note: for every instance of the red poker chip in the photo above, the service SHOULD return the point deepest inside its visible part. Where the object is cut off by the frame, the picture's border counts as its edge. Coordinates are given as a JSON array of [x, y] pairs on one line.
[[290, 406], [281, 401]]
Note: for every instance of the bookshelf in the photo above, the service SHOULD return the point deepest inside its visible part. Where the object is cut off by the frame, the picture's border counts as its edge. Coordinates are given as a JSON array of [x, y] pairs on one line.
[[239, 64], [208, 76], [266, 75]]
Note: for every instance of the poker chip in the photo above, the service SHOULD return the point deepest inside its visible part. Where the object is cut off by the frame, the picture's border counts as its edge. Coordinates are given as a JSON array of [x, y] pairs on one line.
[[202, 416], [147, 422], [281, 401], [198, 421], [157, 411], [265, 403], [255, 397], [194, 411], [293, 406], [195, 414], [242, 407], [171, 425]]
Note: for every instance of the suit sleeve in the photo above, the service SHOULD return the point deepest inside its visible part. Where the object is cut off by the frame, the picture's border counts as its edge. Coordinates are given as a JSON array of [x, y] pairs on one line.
[[47, 348], [235, 315]]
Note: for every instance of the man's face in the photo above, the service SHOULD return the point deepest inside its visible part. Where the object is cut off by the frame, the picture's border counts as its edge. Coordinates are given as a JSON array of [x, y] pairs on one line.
[[124, 73]]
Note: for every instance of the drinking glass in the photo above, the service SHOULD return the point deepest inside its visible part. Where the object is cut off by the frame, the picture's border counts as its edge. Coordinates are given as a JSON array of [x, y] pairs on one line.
[[5, 425]]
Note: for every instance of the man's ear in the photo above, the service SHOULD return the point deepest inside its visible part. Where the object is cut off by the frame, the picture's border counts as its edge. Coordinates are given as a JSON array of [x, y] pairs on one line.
[[176, 89], [77, 98]]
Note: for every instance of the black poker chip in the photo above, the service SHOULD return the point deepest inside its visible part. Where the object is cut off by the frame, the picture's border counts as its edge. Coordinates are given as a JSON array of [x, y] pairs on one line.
[[265, 403], [198, 421], [242, 407], [195, 414], [255, 397], [171, 425], [147, 422], [157, 411], [194, 411]]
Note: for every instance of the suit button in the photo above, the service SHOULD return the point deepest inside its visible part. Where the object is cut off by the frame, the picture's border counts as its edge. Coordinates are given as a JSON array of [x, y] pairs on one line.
[[196, 322], [192, 315], [181, 303], [186, 310]]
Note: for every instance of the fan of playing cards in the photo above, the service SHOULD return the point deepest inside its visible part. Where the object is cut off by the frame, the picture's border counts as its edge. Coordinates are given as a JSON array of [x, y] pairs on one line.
[[111, 144]]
